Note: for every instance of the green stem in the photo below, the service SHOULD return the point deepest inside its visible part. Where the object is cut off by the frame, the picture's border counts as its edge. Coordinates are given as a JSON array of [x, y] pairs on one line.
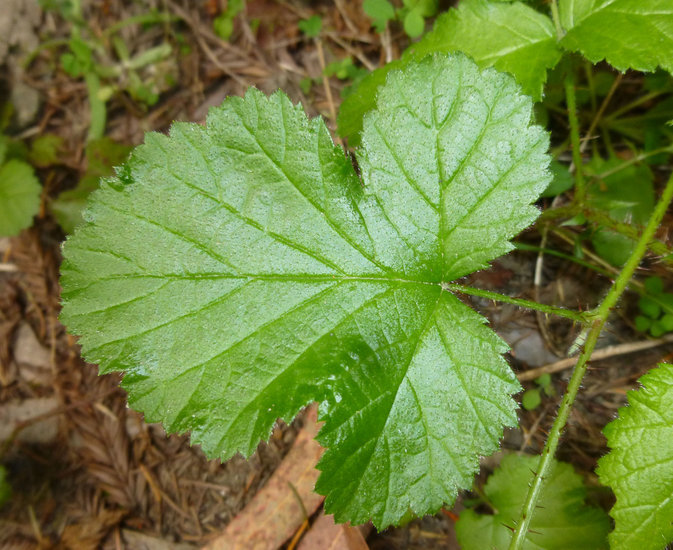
[[600, 316], [551, 252], [603, 219], [557, 19], [630, 106], [571, 101], [634, 160], [143, 19], [576, 316]]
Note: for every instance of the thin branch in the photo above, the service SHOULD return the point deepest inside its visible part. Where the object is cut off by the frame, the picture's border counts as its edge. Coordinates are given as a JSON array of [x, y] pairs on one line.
[[604, 353]]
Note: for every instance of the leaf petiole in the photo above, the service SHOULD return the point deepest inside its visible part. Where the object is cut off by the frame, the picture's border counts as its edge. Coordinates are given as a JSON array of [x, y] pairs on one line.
[[577, 316]]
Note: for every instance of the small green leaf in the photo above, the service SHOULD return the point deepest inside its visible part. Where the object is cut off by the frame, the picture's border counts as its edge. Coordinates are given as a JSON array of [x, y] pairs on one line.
[[19, 197], [311, 27], [414, 24], [654, 285], [511, 37], [427, 8], [241, 270], [343, 69], [642, 323], [45, 150], [628, 34], [561, 522], [657, 329], [544, 380], [305, 84], [531, 399], [639, 466], [613, 247], [649, 307], [79, 60], [223, 25], [562, 181], [71, 65], [667, 322], [380, 11]]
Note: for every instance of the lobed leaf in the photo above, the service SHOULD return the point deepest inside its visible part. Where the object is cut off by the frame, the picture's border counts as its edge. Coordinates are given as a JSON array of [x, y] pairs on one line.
[[511, 37], [561, 521], [639, 466], [628, 34], [240, 271]]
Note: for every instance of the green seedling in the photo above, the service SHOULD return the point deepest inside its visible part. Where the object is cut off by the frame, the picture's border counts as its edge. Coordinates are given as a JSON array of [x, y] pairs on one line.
[[87, 57], [532, 398], [311, 27], [656, 307], [19, 190], [223, 25]]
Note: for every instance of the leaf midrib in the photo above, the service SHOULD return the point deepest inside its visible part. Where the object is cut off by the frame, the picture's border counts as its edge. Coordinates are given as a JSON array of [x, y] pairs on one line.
[[299, 278], [403, 375]]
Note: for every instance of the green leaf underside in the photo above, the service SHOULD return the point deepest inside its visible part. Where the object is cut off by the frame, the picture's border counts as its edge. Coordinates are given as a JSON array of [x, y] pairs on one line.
[[512, 38], [628, 34], [639, 466], [561, 521], [19, 197], [240, 271]]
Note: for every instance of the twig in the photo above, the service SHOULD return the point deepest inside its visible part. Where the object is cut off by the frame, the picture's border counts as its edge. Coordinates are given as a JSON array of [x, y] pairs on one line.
[[351, 50], [604, 353], [342, 11], [325, 80], [386, 43], [198, 32], [601, 111]]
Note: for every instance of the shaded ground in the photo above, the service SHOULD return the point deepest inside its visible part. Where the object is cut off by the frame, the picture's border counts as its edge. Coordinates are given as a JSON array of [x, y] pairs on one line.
[[86, 471]]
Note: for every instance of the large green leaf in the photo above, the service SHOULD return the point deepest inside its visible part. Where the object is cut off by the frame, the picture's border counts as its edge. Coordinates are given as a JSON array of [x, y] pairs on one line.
[[19, 197], [512, 37], [639, 466], [562, 521], [628, 34], [240, 271]]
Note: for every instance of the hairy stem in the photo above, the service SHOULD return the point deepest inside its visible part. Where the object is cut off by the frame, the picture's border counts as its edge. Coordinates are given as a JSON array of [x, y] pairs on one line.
[[602, 218], [576, 316], [599, 317], [552, 252], [571, 101]]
